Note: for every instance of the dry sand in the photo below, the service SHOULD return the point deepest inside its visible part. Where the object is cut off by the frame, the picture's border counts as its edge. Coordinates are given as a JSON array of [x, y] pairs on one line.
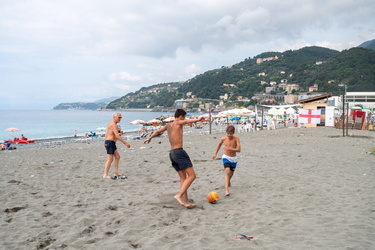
[[293, 189]]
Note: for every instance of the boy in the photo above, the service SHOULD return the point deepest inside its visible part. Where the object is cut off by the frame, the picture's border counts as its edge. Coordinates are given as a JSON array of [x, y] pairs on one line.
[[231, 147], [179, 158]]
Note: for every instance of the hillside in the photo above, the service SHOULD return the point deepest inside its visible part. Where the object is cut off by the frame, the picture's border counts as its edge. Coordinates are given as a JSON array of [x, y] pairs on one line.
[[368, 45], [99, 104], [327, 68]]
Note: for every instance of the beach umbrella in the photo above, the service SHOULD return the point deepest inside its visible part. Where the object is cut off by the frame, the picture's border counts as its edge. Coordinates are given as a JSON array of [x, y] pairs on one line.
[[235, 118], [153, 121], [281, 111], [137, 122], [169, 119], [12, 130], [272, 111]]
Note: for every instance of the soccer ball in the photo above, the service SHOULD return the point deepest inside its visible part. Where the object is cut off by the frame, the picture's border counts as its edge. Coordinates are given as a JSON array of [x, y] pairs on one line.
[[212, 197]]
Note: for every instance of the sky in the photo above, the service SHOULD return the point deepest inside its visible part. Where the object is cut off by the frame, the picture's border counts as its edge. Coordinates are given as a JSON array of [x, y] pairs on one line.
[[56, 51]]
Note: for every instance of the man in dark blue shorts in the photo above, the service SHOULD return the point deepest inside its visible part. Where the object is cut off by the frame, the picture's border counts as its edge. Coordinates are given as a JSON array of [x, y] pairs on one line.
[[111, 136]]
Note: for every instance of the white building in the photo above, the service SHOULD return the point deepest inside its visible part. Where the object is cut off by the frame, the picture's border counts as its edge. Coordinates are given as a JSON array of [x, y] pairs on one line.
[[365, 99]]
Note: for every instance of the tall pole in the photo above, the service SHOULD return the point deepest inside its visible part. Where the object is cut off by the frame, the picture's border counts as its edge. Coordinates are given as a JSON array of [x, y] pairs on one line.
[[343, 115], [210, 117], [284, 119], [261, 126], [347, 118]]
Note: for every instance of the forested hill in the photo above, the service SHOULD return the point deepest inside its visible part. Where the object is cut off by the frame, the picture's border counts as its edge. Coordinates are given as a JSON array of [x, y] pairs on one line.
[[327, 68]]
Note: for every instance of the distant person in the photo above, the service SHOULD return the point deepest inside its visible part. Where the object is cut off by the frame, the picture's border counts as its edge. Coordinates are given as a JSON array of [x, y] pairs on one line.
[[295, 119], [179, 158], [75, 133], [232, 145], [23, 137], [119, 130], [111, 137]]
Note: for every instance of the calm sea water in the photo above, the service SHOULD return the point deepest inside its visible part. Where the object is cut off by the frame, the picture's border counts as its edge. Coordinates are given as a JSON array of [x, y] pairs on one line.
[[62, 123]]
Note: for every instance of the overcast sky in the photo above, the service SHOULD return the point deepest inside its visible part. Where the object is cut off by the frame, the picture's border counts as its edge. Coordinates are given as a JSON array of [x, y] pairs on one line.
[[54, 51]]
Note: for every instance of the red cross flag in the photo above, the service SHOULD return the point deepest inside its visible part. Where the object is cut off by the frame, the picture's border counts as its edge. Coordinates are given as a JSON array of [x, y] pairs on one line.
[[311, 116]]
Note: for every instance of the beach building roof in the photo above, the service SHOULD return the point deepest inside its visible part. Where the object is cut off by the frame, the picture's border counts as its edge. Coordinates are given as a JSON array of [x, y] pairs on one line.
[[315, 98]]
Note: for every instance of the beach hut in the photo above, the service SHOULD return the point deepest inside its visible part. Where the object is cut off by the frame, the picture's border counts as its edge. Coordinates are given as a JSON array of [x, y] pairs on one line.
[[313, 112]]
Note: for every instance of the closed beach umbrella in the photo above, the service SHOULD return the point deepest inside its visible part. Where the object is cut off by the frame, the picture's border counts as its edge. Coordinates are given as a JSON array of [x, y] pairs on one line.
[[137, 122]]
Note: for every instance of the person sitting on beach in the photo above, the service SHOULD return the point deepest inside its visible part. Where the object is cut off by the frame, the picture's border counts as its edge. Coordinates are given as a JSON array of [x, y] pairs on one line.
[[111, 137], [178, 156], [232, 145], [23, 137]]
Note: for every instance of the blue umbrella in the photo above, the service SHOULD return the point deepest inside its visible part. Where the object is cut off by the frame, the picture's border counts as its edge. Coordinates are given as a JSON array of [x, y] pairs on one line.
[[235, 118]]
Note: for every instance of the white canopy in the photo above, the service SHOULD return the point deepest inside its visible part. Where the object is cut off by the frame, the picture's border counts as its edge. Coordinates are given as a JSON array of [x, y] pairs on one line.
[[290, 110], [239, 112], [272, 111]]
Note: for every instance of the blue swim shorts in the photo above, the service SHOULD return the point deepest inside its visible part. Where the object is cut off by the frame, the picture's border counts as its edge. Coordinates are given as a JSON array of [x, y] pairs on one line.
[[180, 159], [110, 146]]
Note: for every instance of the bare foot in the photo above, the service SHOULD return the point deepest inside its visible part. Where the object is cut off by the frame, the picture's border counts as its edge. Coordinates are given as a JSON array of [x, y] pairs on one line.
[[227, 194], [179, 200], [118, 174], [106, 176], [190, 205]]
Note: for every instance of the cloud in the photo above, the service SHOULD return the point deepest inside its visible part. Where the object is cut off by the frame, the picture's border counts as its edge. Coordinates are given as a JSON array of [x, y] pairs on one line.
[[123, 76], [193, 70], [127, 44]]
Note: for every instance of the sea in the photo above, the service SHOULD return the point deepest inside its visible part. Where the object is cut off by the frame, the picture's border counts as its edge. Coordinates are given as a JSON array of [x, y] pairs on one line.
[[45, 124]]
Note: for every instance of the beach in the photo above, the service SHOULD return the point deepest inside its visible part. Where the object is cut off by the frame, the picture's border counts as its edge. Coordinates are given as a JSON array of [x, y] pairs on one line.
[[293, 189]]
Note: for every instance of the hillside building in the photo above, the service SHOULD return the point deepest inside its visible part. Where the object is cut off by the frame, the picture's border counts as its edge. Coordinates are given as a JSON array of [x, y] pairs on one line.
[[269, 89], [313, 88], [291, 87], [290, 99], [180, 104]]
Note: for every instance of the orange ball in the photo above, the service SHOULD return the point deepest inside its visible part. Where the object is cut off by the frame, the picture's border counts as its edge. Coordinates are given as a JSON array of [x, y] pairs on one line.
[[212, 197]]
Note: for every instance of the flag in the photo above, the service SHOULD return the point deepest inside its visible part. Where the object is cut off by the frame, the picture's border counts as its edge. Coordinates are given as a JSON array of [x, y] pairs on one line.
[[311, 116]]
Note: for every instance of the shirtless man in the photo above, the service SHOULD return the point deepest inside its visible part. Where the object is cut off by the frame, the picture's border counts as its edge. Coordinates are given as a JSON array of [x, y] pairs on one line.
[[111, 136], [179, 158], [232, 145]]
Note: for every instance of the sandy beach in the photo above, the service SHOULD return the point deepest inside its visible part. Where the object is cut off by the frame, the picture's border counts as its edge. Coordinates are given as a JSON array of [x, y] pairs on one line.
[[293, 189]]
